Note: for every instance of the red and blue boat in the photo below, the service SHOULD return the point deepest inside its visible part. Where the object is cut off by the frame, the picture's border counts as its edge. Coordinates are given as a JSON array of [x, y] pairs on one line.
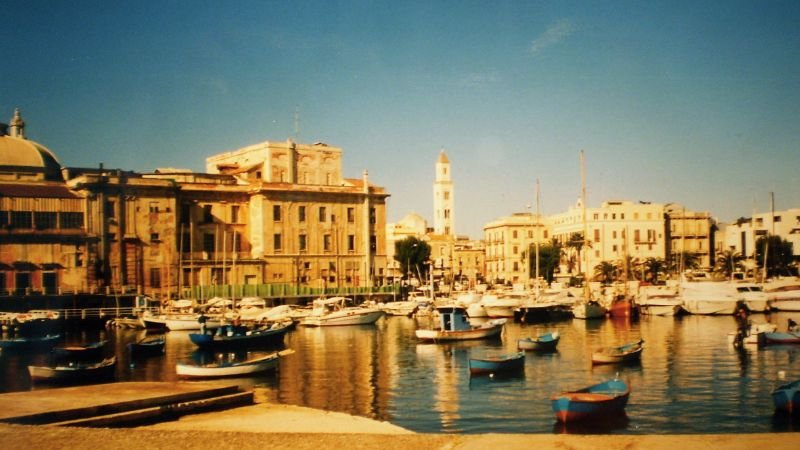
[[497, 364], [780, 337], [601, 400], [786, 398]]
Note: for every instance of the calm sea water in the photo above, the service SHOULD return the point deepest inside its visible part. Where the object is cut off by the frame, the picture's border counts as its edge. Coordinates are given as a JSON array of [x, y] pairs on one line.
[[690, 379]]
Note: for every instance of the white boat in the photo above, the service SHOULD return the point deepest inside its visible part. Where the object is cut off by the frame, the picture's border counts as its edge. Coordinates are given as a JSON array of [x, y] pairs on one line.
[[399, 308], [190, 322], [753, 296], [709, 297], [783, 295], [503, 305], [659, 302], [231, 368], [455, 326], [250, 308], [334, 311], [589, 310], [756, 334]]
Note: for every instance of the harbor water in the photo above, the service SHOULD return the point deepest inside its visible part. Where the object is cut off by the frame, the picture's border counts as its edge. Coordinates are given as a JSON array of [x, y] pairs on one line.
[[690, 378]]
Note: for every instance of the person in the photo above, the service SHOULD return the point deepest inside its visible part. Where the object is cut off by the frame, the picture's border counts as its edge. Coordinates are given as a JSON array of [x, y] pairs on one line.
[[792, 325], [742, 314], [202, 319]]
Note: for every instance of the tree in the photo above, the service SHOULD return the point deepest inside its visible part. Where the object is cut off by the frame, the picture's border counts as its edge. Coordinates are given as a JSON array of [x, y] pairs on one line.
[[634, 268], [549, 258], [412, 253], [727, 262], [682, 261], [779, 254], [605, 272], [575, 244], [653, 267]]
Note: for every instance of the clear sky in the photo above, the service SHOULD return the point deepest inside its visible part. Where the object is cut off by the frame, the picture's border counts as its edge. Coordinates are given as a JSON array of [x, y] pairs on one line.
[[691, 102]]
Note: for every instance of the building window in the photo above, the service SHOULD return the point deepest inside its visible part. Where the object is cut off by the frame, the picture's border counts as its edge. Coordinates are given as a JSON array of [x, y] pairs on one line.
[[21, 219], [70, 220], [326, 242], [351, 242], [153, 207], [209, 243], [276, 242], [514, 234], [154, 237], [372, 216], [514, 250], [373, 243], [776, 219], [301, 213], [110, 209], [155, 278], [597, 235], [302, 242], [276, 213], [207, 217], [323, 214], [3, 219], [234, 213], [447, 195], [45, 220], [351, 215]]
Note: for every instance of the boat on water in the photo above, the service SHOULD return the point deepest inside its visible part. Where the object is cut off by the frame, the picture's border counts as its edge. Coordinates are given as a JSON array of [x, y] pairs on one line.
[[783, 295], [753, 295], [755, 334], [399, 308], [659, 302], [710, 297], [218, 369], [30, 343], [546, 342], [616, 355], [74, 372], [497, 364], [504, 304], [601, 400], [89, 352], [239, 337], [591, 309], [782, 337], [454, 325], [147, 347], [786, 398], [335, 311]]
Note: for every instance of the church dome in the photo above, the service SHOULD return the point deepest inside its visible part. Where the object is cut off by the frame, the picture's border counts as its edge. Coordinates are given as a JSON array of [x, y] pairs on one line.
[[21, 156]]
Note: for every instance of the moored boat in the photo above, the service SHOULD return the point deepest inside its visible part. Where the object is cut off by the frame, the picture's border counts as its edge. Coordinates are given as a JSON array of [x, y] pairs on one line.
[[75, 372], [30, 343], [622, 354], [88, 352], [783, 295], [334, 312], [597, 401], [248, 366], [238, 337], [546, 342], [147, 347], [496, 364], [782, 337], [589, 310], [786, 398], [455, 326]]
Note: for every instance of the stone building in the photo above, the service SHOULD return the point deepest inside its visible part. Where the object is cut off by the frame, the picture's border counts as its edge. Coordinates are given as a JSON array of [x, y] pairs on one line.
[[507, 240]]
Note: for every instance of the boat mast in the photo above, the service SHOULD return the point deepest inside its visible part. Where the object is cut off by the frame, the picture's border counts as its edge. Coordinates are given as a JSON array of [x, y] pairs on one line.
[[586, 292], [536, 240]]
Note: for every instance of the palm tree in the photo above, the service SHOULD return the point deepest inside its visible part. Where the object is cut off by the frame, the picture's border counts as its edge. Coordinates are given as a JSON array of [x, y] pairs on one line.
[[727, 262], [653, 267], [605, 272], [576, 243], [687, 260], [779, 254]]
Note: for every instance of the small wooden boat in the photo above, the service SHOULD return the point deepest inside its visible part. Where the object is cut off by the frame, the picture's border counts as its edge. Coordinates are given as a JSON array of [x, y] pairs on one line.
[[249, 366], [455, 326], [77, 372], [88, 352], [497, 364], [786, 397], [147, 347], [780, 337], [238, 337], [543, 343], [622, 354], [30, 343], [600, 400]]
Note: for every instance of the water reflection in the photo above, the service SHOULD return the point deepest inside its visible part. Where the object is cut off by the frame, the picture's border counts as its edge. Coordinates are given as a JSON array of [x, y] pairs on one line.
[[689, 379]]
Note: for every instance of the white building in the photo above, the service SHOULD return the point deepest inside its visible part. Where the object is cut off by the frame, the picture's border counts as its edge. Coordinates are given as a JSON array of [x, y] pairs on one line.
[[443, 198]]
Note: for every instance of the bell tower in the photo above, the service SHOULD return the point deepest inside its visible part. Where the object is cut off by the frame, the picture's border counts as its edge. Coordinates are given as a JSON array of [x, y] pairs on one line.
[[443, 198]]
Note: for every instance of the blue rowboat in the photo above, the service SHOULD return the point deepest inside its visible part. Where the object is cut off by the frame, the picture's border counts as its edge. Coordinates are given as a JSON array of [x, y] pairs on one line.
[[600, 400], [779, 337], [497, 364], [786, 397], [543, 343], [235, 337]]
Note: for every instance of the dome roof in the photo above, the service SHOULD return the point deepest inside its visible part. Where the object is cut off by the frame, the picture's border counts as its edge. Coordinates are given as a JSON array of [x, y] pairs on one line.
[[20, 156], [23, 155]]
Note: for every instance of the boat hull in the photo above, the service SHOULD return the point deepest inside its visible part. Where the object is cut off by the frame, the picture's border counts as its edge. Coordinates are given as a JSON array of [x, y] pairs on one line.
[[341, 318], [543, 343], [598, 401], [779, 337], [786, 398], [254, 338], [257, 365], [500, 364], [710, 307], [74, 373], [489, 329], [785, 304], [588, 311]]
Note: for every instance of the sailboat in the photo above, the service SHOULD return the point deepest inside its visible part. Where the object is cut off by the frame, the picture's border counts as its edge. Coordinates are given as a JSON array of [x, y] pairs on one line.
[[586, 308]]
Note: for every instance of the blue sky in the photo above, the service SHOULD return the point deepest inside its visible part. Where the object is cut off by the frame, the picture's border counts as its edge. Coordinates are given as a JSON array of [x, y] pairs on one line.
[[690, 102]]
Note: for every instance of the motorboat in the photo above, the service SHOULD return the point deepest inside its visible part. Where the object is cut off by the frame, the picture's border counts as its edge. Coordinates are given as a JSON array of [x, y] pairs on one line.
[[504, 304], [454, 325], [783, 295], [335, 311], [709, 297]]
